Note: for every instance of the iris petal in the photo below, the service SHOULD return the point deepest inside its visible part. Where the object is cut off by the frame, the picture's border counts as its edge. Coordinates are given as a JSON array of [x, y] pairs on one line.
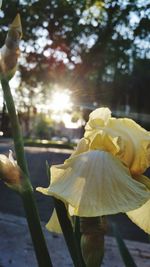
[[141, 216], [95, 183], [125, 139], [53, 224], [82, 147]]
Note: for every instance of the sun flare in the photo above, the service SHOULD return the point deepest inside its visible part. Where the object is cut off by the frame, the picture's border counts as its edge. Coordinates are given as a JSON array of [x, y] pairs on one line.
[[60, 101]]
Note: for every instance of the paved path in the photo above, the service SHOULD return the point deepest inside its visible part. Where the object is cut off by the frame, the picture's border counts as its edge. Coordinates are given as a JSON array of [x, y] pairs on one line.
[[16, 247]]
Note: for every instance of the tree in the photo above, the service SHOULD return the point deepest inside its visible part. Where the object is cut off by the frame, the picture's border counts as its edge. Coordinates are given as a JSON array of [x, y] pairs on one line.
[[89, 46]]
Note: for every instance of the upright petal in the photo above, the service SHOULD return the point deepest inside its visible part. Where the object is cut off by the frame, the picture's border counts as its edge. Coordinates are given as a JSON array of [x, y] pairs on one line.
[[98, 117], [123, 138], [106, 143], [134, 144]]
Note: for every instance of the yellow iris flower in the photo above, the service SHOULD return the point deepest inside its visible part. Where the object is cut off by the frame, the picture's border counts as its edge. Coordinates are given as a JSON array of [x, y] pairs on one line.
[[103, 176]]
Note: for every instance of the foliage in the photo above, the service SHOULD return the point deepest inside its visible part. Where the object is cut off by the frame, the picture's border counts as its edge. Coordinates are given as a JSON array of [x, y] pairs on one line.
[[42, 127], [95, 45], [48, 143]]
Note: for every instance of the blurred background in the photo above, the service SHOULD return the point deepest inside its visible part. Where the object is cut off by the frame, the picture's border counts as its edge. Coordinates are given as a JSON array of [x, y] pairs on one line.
[[75, 56]]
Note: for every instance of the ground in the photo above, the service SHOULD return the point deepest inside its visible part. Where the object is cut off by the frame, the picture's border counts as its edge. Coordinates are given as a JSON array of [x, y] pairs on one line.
[[16, 248]]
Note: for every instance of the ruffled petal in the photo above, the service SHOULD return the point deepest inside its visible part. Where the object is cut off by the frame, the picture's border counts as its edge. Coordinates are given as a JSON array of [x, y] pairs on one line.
[[127, 140], [95, 183], [141, 216], [106, 143], [82, 147], [134, 145], [98, 117]]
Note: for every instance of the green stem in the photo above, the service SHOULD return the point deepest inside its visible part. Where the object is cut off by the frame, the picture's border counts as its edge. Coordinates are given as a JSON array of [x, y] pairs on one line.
[[68, 232], [32, 215], [39, 243]]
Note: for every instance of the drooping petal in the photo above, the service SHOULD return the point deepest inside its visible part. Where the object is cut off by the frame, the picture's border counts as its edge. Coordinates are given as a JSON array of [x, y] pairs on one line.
[[53, 224], [141, 216], [95, 183], [127, 140]]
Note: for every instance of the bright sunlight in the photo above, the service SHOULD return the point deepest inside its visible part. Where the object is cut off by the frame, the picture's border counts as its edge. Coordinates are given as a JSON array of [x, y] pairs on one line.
[[61, 101]]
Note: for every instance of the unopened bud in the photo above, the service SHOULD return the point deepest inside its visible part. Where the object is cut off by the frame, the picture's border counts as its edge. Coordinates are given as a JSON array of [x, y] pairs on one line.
[[9, 53], [10, 172], [92, 240]]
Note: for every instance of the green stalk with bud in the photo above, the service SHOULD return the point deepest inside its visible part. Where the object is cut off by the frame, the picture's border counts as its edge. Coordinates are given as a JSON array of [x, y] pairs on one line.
[[16, 175], [92, 231]]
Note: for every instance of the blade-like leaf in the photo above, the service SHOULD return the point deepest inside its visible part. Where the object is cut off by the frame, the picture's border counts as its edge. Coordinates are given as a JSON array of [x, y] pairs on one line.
[[125, 254], [78, 237], [68, 232], [67, 229]]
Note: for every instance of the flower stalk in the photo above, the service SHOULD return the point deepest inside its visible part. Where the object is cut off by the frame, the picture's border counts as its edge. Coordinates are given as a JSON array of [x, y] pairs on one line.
[[27, 196]]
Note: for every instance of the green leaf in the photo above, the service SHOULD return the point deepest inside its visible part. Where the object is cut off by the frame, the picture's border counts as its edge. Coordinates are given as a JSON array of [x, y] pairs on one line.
[[68, 233], [67, 229], [78, 237], [125, 254]]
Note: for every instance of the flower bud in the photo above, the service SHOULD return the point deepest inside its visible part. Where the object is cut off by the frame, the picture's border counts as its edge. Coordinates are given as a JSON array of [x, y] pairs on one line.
[[10, 172], [92, 240], [9, 53]]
